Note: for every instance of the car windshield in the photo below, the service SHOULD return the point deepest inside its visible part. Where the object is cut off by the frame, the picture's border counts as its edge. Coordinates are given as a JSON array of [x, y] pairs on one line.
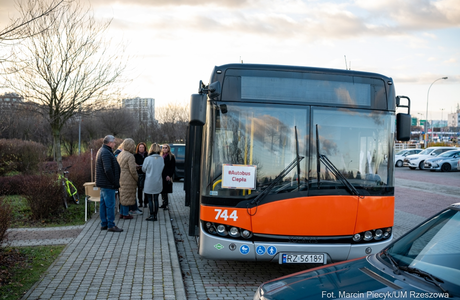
[[401, 152], [448, 153], [426, 151], [434, 247]]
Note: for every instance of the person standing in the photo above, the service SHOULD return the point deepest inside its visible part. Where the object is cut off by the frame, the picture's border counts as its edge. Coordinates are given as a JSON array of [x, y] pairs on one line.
[[141, 154], [128, 177], [167, 174], [107, 179], [153, 167]]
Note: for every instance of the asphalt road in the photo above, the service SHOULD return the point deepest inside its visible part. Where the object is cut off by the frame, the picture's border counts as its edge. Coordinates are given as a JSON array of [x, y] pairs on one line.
[[418, 195]]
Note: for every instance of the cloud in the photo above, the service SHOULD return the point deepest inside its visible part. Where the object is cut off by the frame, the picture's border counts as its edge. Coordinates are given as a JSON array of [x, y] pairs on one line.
[[175, 3], [410, 15], [296, 20], [451, 61]]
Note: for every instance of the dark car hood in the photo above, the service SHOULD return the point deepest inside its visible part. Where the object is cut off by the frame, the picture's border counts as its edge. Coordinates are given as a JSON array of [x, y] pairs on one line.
[[354, 279]]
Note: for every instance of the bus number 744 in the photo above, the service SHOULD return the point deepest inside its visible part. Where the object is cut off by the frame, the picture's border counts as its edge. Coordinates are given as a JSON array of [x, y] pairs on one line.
[[224, 214]]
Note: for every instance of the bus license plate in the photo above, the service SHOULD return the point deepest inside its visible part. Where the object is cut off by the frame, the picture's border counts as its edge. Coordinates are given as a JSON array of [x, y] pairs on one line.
[[302, 259]]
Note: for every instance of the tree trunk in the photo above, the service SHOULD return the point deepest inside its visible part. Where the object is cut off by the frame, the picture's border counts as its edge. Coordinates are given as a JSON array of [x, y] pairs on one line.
[[57, 147]]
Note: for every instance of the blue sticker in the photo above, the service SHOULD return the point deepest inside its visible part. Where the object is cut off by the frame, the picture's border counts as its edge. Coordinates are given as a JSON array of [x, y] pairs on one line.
[[284, 258], [244, 249], [271, 250], [260, 250]]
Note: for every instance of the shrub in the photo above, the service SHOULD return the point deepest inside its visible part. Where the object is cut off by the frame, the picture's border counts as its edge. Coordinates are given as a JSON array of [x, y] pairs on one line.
[[43, 193], [20, 156], [5, 220], [11, 185]]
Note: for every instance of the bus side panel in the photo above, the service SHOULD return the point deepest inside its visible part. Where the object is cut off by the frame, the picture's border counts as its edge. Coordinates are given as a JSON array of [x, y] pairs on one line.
[[238, 217], [307, 216], [375, 212]]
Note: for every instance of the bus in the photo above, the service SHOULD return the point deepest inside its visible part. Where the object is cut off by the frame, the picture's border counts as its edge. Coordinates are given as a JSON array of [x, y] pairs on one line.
[[292, 164]]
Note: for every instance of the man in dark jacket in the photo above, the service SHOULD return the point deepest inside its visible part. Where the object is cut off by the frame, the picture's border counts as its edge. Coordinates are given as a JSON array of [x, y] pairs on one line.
[[108, 180]]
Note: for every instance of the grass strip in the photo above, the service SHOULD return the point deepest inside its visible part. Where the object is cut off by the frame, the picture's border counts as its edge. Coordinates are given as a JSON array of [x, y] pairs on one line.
[[22, 267]]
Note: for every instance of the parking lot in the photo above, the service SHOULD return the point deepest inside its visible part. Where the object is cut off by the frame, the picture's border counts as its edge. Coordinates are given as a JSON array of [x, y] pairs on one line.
[[418, 195]]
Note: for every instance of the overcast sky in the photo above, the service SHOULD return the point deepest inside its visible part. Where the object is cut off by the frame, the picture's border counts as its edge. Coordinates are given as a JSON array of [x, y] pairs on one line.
[[176, 43]]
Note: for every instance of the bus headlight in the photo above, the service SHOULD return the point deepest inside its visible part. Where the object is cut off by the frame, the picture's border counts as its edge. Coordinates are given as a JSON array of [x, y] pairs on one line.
[[226, 230], [221, 230], [211, 228], [357, 237], [234, 232], [387, 233], [372, 235], [246, 234], [368, 236]]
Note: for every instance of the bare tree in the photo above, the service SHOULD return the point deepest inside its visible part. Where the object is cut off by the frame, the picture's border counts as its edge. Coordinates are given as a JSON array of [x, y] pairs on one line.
[[174, 120], [22, 27], [66, 66], [117, 122]]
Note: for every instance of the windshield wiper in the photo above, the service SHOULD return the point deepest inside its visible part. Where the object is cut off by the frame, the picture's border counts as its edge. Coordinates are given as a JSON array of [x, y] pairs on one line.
[[393, 263], [425, 275], [397, 267], [278, 178], [298, 157], [332, 168]]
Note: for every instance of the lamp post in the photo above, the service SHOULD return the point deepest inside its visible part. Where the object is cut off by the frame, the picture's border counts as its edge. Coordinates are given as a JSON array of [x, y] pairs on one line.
[[426, 116], [79, 130]]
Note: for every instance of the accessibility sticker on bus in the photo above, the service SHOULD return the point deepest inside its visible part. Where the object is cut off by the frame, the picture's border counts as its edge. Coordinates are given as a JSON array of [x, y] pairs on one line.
[[239, 176]]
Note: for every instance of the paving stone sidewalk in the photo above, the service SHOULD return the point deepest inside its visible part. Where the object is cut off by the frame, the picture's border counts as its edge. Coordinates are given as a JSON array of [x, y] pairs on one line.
[[42, 236], [139, 263]]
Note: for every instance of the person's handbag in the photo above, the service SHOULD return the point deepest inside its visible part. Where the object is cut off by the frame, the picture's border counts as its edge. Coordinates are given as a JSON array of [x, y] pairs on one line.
[[141, 181]]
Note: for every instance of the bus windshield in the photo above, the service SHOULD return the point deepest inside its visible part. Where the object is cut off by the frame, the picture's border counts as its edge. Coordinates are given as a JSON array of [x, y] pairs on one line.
[[355, 141]]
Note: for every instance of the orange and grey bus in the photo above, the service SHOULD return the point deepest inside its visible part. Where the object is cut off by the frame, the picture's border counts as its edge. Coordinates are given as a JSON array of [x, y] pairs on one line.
[[292, 164]]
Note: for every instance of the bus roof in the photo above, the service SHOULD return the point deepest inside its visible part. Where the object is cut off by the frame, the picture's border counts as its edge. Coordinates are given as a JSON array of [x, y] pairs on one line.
[[288, 68]]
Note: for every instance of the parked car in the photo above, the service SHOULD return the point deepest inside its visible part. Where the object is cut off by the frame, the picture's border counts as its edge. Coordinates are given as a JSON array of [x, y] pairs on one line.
[[423, 263], [179, 152], [415, 161], [399, 157], [445, 162]]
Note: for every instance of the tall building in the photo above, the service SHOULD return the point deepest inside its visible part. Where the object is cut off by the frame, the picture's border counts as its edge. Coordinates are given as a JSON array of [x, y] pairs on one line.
[[10, 99], [453, 119], [142, 108]]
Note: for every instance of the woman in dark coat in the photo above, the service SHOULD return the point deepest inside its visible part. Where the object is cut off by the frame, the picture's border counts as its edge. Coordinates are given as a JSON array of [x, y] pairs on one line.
[[141, 154], [167, 174]]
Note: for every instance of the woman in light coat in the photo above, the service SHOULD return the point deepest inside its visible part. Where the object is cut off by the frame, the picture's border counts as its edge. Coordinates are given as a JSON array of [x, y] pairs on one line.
[[128, 177], [153, 167]]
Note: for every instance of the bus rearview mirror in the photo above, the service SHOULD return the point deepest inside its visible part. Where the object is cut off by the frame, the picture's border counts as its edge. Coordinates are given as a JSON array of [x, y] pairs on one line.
[[403, 122], [198, 109]]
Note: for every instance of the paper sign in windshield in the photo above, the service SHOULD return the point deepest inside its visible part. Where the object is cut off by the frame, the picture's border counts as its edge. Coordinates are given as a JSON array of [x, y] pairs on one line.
[[239, 176]]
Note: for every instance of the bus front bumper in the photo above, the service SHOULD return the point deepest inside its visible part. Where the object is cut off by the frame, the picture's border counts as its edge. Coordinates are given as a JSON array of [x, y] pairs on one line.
[[221, 248]]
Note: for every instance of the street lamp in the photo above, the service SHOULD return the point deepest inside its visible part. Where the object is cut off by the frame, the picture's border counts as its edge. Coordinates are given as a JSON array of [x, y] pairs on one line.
[[79, 130], [426, 116]]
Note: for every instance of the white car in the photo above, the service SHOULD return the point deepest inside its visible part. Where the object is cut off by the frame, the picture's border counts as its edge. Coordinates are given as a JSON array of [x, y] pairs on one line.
[[444, 162], [415, 161], [399, 157]]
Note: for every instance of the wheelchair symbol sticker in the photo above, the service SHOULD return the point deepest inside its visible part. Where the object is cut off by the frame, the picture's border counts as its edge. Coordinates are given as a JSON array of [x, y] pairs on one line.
[[244, 249], [260, 250], [271, 250]]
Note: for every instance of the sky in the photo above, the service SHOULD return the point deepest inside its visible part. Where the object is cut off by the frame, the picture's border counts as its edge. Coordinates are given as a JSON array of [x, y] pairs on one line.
[[173, 44]]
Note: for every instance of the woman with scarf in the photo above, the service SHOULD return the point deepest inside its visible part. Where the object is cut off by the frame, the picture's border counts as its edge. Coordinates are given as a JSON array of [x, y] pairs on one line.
[[167, 175]]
